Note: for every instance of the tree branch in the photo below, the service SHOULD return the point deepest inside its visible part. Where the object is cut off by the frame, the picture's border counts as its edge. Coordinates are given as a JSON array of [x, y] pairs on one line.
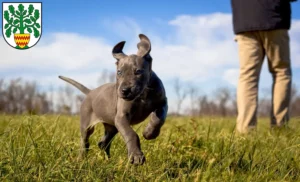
[[12, 25], [14, 14], [31, 25], [27, 15]]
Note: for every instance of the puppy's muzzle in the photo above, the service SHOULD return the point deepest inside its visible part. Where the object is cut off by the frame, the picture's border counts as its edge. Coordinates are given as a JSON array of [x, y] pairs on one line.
[[130, 93], [126, 91]]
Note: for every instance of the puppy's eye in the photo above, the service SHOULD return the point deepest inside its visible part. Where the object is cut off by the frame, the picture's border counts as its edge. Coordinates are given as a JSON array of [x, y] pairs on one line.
[[139, 72], [119, 72]]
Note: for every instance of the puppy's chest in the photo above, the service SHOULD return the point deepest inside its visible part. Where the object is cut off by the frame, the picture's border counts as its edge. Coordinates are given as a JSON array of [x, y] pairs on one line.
[[143, 106], [141, 110]]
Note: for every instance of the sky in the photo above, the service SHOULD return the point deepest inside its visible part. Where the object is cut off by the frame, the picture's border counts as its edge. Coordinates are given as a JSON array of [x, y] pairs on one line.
[[192, 40]]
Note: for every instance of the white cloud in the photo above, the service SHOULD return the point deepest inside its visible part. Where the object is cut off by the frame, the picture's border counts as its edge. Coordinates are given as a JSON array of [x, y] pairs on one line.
[[52, 82], [295, 43], [231, 76], [202, 44], [66, 51]]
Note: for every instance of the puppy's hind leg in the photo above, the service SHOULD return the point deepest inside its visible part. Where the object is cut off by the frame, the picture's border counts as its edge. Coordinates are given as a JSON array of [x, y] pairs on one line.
[[105, 142], [87, 129]]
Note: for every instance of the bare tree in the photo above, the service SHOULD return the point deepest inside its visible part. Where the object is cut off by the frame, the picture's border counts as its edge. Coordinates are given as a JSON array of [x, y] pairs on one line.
[[79, 99], [223, 97], [193, 94], [234, 105], [66, 99], [180, 92], [295, 102], [19, 97], [106, 77], [2, 96], [206, 107], [50, 98]]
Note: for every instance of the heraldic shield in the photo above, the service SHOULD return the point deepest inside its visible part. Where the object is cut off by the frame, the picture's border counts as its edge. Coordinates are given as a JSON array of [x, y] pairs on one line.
[[22, 24]]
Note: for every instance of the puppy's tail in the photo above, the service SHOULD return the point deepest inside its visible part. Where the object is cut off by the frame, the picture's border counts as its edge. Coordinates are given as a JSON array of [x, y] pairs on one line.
[[76, 84]]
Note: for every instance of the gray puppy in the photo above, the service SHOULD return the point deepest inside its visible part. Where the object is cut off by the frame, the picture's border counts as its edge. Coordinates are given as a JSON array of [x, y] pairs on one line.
[[137, 93]]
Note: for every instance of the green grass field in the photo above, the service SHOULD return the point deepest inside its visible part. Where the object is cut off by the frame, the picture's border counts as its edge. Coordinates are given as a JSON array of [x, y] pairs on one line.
[[45, 148]]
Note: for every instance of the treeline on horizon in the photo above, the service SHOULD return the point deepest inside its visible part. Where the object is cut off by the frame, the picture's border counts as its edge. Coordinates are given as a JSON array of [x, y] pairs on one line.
[[18, 96]]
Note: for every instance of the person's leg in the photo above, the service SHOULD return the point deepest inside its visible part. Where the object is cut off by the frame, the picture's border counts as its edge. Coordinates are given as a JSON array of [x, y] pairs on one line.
[[276, 44], [251, 55]]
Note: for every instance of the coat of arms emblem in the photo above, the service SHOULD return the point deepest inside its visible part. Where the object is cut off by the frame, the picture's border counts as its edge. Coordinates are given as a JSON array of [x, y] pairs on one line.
[[22, 24]]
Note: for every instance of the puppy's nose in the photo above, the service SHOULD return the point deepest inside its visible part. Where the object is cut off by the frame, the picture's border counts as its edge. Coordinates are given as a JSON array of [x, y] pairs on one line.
[[126, 90]]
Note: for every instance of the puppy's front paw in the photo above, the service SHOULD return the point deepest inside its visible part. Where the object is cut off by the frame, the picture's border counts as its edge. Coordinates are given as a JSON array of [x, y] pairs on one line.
[[151, 132], [137, 159]]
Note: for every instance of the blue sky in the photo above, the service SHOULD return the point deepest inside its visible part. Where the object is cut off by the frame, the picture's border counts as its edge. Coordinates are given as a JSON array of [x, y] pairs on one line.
[[85, 17], [192, 40]]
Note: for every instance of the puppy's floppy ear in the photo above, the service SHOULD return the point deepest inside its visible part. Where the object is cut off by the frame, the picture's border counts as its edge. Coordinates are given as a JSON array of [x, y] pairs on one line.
[[117, 51], [144, 46]]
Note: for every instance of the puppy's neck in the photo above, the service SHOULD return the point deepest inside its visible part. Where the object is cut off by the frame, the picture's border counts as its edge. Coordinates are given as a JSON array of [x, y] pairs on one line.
[[148, 88]]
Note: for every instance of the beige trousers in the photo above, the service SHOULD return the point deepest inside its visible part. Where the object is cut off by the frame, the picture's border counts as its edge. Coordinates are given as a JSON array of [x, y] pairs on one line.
[[253, 47]]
